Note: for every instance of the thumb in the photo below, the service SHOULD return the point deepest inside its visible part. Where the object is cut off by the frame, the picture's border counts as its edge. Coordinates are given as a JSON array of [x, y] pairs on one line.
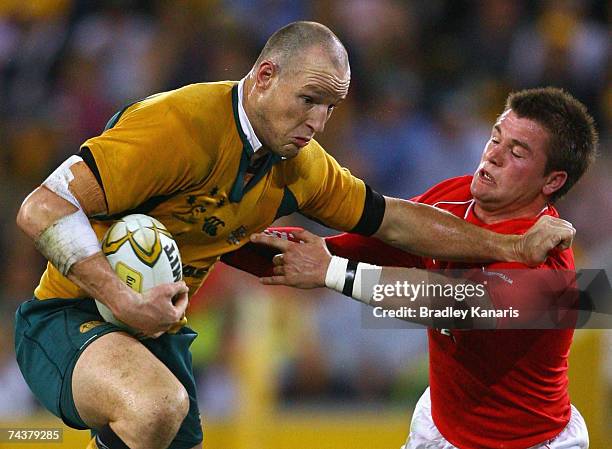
[[180, 303], [177, 288]]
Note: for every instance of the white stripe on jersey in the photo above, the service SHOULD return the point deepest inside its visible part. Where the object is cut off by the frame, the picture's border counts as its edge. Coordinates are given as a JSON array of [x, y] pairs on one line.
[[469, 202]]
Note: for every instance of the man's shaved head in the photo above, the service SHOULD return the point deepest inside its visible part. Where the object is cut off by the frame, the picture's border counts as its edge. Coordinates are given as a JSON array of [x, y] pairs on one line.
[[294, 39]]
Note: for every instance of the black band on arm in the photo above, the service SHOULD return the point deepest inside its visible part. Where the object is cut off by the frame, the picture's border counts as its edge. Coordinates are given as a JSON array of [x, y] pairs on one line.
[[349, 278], [373, 213], [85, 154]]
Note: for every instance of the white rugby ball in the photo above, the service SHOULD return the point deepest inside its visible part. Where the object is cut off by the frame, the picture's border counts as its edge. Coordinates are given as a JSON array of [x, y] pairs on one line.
[[143, 253]]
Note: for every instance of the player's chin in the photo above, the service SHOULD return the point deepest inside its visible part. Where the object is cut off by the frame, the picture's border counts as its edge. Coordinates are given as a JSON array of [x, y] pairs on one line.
[[289, 151], [481, 193], [479, 187]]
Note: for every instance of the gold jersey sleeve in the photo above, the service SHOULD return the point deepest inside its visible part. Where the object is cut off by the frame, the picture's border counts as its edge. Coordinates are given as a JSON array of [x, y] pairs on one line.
[[324, 190], [156, 148]]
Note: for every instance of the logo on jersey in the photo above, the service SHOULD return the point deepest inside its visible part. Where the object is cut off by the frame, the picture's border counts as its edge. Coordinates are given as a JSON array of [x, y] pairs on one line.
[[211, 224], [447, 333], [236, 235], [504, 277], [89, 325], [190, 271], [198, 205]]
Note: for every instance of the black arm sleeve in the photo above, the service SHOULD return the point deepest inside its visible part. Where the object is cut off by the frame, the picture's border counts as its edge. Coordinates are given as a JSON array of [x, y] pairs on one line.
[[372, 215], [85, 154]]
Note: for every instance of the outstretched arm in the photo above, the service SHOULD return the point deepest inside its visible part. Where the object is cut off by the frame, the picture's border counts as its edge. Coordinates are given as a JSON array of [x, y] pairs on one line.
[[427, 231], [527, 298], [310, 265]]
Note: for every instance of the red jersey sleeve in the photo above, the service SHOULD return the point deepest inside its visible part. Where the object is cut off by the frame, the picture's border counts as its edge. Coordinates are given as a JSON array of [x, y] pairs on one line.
[[255, 258], [371, 250]]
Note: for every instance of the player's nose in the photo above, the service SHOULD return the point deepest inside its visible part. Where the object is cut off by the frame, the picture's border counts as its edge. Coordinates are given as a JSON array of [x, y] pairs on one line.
[[317, 119], [495, 155]]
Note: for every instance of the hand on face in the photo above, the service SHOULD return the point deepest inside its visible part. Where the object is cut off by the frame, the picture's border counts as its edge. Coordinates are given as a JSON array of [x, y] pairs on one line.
[[549, 233], [302, 265]]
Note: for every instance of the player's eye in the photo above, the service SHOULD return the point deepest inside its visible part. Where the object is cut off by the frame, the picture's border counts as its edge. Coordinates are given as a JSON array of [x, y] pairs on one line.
[[306, 99], [516, 154], [494, 139], [331, 108]]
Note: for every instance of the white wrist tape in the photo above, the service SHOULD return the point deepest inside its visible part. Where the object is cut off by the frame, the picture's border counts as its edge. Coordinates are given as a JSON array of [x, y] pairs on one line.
[[59, 181], [336, 273], [356, 280], [68, 241], [366, 277]]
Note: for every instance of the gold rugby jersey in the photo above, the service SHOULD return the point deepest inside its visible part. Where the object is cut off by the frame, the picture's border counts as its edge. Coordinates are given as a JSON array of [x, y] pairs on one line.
[[182, 157]]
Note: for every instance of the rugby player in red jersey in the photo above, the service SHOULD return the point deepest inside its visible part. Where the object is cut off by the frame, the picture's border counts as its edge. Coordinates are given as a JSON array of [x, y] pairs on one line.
[[489, 389]]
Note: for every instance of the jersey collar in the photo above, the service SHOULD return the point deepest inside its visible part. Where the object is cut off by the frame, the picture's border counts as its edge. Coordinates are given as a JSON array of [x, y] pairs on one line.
[[245, 124], [470, 216], [250, 144]]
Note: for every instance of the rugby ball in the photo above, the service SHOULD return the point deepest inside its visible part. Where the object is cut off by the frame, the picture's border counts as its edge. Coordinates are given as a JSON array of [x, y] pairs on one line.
[[143, 253]]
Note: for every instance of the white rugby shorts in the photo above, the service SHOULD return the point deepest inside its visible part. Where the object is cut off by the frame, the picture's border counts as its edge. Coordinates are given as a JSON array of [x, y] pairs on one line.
[[425, 435]]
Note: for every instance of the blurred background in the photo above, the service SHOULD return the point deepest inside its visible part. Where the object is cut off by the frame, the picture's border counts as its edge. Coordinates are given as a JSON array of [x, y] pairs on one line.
[[279, 368]]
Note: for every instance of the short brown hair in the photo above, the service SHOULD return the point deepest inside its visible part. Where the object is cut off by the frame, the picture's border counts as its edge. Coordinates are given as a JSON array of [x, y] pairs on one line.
[[573, 138]]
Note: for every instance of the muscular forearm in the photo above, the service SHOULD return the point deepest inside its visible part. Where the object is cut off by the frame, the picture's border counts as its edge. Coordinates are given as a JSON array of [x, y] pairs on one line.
[[427, 231], [94, 275]]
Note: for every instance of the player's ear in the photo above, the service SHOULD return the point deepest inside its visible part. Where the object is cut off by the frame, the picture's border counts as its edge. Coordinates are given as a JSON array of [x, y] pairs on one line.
[[554, 181], [265, 73]]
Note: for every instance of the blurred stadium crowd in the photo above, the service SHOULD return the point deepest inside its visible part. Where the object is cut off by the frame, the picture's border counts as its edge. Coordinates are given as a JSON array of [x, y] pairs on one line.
[[428, 79]]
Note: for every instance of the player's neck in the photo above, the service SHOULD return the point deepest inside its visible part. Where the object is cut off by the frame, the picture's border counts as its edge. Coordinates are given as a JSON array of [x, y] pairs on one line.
[[247, 99], [491, 215], [258, 155]]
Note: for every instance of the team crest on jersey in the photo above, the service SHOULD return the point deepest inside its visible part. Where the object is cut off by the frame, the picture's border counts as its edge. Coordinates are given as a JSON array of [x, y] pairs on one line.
[[89, 325], [198, 206]]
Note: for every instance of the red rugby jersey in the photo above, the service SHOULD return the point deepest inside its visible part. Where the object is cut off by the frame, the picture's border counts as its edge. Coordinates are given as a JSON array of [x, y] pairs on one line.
[[490, 389]]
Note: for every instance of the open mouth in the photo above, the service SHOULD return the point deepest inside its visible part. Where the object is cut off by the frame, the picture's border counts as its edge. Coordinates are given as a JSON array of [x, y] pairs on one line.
[[301, 141], [486, 177]]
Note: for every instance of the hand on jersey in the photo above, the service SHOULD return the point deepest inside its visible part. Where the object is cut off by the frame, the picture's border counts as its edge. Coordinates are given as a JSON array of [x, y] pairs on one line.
[[301, 265], [549, 233], [156, 310]]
